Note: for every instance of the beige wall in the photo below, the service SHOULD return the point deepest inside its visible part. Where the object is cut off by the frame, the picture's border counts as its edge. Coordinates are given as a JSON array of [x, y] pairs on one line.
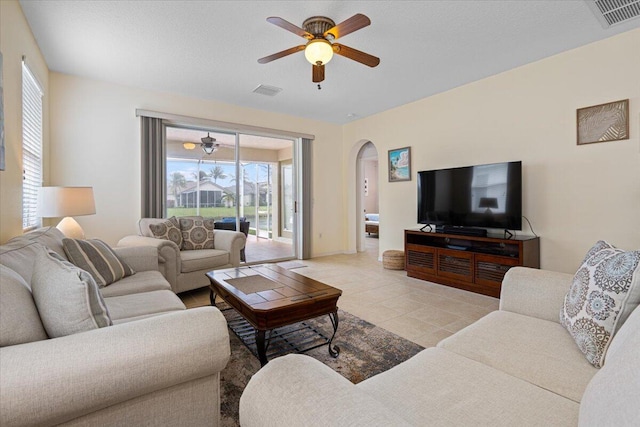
[[96, 142], [573, 195], [16, 40]]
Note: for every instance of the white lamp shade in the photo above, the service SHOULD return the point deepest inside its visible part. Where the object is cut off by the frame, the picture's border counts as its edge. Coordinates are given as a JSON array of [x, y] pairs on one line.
[[56, 202], [318, 50]]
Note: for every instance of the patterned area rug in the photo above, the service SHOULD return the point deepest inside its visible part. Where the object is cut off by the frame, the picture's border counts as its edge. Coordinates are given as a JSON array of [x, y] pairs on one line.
[[365, 350]]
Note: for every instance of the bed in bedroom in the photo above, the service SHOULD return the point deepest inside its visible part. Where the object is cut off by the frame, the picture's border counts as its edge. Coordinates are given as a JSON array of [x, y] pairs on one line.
[[371, 223]]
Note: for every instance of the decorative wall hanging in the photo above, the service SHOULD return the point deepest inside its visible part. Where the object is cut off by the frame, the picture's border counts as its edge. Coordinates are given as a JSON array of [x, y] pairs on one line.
[[604, 122], [400, 164]]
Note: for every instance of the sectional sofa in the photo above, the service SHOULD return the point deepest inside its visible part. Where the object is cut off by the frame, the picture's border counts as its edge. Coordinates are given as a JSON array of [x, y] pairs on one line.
[[517, 366], [158, 364]]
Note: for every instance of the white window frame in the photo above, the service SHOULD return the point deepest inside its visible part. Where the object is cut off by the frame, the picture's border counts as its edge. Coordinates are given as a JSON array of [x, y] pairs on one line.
[[32, 130]]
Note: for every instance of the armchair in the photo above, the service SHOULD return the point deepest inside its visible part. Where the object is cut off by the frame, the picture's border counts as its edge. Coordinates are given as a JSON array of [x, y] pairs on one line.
[[229, 223], [183, 269]]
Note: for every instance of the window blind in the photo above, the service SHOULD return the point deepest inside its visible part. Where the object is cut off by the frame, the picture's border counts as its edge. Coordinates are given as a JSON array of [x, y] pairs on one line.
[[31, 148]]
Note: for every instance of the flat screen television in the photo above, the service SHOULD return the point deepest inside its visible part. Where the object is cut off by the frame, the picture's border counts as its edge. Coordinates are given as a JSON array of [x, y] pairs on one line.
[[482, 196]]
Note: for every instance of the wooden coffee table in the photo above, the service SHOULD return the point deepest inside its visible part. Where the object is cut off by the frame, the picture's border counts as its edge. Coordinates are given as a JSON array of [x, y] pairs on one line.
[[269, 297]]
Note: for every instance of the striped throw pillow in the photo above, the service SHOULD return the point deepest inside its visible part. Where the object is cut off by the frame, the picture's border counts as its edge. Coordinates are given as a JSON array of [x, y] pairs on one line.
[[98, 259]]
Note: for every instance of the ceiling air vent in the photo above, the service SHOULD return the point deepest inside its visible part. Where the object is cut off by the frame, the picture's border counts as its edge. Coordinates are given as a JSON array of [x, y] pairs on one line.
[[267, 90], [613, 12]]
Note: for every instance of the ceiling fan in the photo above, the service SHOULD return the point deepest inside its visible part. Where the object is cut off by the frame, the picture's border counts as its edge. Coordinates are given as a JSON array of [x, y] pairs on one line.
[[208, 144], [321, 31]]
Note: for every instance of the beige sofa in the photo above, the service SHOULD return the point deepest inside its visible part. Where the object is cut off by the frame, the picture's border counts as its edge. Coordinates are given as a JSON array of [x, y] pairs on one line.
[[185, 270], [515, 367], [159, 364]]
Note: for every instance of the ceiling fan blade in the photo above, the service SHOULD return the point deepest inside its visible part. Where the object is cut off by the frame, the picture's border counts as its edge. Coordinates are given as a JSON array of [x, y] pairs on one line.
[[281, 54], [275, 20], [352, 24], [318, 73], [356, 55]]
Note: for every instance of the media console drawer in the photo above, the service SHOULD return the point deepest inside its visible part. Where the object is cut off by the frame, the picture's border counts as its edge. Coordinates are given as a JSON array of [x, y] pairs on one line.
[[472, 263], [455, 264]]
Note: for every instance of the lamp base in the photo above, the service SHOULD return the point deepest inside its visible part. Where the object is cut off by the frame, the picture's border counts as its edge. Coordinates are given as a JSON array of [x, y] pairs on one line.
[[70, 228]]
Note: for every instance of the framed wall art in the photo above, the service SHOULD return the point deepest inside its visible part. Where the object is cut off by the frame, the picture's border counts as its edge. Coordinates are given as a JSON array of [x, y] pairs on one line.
[[400, 164], [604, 122]]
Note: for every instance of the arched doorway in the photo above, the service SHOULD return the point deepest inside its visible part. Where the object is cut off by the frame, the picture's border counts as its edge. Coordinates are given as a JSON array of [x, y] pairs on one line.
[[367, 199]]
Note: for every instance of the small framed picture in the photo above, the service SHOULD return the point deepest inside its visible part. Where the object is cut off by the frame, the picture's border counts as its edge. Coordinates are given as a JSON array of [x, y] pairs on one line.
[[604, 122], [400, 164]]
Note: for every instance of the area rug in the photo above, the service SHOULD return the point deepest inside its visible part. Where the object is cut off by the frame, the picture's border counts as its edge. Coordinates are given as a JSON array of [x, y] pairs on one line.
[[365, 350]]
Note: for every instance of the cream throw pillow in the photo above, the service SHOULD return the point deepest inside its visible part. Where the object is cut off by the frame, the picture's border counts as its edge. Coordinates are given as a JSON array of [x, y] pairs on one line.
[[605, 290], [67, 297]]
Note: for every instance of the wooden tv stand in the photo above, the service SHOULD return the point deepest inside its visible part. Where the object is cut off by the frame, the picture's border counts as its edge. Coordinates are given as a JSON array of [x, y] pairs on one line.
[[476, 264]]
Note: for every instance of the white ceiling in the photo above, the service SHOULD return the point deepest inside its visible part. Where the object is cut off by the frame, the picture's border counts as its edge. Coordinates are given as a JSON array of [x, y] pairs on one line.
[[209, 49]]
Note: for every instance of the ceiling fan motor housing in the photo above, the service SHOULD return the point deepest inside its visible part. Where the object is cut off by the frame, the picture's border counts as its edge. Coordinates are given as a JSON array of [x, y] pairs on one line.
[[317, 25]]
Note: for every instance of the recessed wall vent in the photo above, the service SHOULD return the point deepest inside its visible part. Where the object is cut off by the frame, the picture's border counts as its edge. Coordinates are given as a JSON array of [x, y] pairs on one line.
[[269, 90], [613, 12]]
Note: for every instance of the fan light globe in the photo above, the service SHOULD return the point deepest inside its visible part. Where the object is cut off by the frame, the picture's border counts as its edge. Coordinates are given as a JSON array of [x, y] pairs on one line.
[[318, 50]]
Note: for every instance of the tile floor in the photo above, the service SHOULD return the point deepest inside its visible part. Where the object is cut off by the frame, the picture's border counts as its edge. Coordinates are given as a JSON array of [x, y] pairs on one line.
[[259, 249], [420, 311]]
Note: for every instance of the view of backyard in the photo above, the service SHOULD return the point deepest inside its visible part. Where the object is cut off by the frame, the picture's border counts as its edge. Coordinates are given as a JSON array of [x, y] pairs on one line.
[[208, 189]]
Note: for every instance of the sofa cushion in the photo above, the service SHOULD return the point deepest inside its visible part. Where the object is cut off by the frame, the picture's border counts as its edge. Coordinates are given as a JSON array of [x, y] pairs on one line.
[[19, 255], [605, 290], [20, 319], [197, 233], [610, 396], [67, 297], [142, 281], [98, 259], [441, 388], [535, 350], [168, 230], [142, 304], [50, 237], [203, 259], [19, 252]]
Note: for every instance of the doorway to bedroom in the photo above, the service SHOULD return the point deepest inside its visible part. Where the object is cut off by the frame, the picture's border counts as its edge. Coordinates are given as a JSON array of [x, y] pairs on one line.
[[368, 204]]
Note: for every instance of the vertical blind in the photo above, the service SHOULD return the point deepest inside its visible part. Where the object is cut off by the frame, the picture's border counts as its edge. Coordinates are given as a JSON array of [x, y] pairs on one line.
[[31, 148]]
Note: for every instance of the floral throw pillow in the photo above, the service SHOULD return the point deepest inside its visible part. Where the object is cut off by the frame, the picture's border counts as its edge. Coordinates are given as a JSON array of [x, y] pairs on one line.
[[605, 290], [197, 233], [168, 230]]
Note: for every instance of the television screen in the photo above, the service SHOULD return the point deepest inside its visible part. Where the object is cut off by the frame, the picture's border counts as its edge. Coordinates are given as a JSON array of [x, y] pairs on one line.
[[487, 196]]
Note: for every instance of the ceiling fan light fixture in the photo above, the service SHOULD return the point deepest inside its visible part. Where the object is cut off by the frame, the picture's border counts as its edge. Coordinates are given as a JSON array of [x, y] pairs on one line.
[[188, 145], [208, 147], [208, 144], [318, 51]]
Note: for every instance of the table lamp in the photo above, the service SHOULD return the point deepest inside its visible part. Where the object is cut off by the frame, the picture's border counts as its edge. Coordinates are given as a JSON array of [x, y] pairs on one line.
[[56, 202]]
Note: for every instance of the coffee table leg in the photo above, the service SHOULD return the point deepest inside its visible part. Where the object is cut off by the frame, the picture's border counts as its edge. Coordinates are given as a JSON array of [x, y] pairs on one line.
[[335, 351], [212, 297], [260, 345]]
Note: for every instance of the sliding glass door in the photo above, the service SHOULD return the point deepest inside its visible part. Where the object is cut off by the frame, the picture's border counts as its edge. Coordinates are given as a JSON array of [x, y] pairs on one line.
[[286, 206], [236, 179]]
